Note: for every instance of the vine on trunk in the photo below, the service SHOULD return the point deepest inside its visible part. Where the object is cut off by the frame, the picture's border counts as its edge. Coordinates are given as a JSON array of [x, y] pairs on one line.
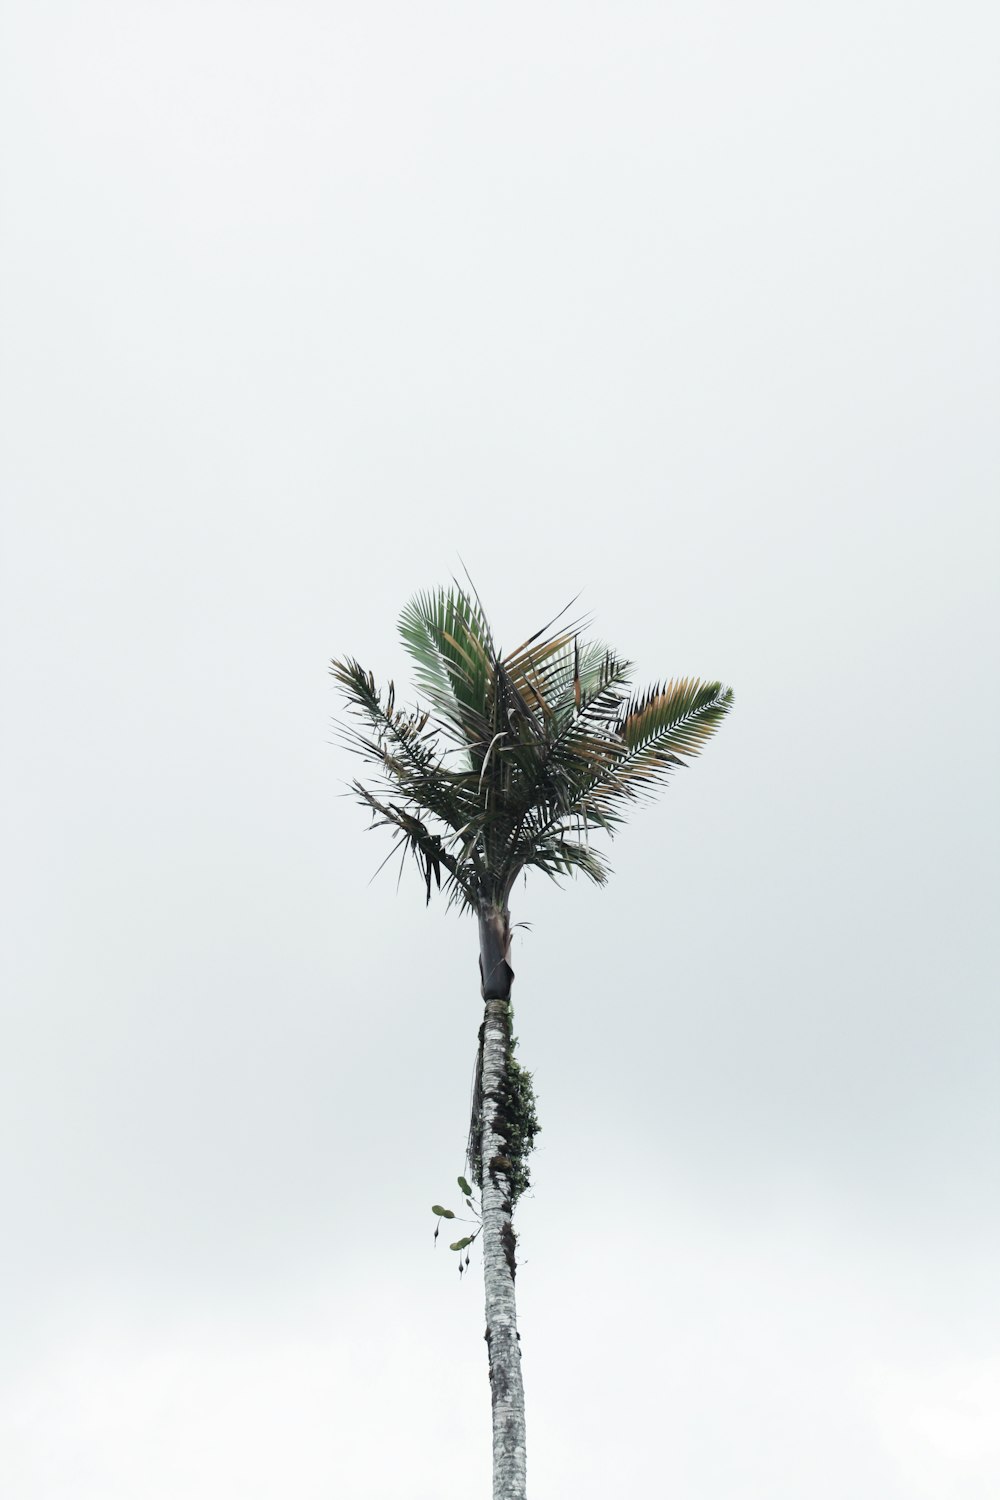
[[462, 1244], [515, 1118]]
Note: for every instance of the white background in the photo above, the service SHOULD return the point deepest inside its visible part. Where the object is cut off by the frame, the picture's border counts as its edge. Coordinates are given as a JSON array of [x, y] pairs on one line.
[[692, 307]]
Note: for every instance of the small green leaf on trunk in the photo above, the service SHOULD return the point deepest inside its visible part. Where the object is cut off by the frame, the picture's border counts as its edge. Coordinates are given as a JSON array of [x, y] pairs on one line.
[[465, 1187], [442, 1213], [461, 1244]]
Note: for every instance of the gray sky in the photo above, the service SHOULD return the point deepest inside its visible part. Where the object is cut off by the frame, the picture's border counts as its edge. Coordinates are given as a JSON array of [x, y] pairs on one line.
[[691, 307]]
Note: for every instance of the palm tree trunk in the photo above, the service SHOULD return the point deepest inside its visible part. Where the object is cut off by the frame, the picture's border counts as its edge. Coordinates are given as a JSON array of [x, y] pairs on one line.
[[497, 1209]]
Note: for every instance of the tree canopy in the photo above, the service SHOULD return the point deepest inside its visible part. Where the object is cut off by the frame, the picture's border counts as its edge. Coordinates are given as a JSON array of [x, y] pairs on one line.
[[510, 761]]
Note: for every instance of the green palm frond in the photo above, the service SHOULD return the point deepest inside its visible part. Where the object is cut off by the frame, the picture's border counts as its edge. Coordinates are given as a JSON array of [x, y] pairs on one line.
[[414, 782], [425, 846], [448, 637], [514, 761], [399, 744], [565, 856]]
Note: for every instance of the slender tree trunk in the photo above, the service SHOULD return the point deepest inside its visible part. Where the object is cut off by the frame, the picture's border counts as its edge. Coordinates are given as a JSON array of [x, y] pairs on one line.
[[497, 1209]]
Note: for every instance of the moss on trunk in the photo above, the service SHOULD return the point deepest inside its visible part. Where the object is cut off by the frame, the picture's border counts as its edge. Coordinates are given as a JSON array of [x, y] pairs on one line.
[[514, 1117]]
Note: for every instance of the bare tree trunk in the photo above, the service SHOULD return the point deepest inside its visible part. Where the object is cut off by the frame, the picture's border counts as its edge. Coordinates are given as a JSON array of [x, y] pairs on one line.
[[497, 1208]]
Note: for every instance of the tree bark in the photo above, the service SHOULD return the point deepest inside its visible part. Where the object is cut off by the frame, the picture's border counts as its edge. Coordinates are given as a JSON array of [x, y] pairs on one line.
[[497, 1209]]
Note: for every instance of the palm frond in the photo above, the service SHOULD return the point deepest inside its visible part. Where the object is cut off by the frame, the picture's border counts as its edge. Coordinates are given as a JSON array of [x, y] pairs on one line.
[[401, 748], [426, 847], [565, 856], [666, 723], [629, 759], [564, 677], [448, 637]]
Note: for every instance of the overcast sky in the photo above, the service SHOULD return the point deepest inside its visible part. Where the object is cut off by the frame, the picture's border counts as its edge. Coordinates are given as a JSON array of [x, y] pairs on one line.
[[689, 307]]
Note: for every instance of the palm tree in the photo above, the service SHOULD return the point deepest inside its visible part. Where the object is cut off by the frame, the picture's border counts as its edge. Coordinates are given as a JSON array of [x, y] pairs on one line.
[[512, 764]]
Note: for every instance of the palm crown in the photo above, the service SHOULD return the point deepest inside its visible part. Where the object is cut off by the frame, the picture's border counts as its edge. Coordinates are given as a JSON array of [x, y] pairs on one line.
[[515, 758]]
